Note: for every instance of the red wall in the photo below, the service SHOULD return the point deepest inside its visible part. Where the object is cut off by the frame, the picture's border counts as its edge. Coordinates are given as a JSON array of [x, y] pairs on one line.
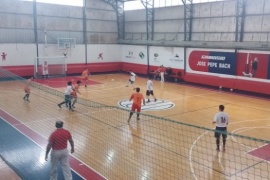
[[234, 83]]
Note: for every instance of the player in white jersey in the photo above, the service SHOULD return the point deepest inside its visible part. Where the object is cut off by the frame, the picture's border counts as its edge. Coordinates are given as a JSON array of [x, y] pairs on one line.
[[150, 90], [221, 120], [131, 80], [45, 69], [67, 100]]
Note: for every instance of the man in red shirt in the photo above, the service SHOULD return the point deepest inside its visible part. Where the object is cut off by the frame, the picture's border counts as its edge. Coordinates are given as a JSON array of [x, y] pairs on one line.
[[162, 71], [58, 144], [137, 103]]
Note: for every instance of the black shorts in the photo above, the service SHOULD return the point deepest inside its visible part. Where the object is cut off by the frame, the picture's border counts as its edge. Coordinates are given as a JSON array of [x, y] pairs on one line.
[[131, 82], [221, 130], [149, 92]]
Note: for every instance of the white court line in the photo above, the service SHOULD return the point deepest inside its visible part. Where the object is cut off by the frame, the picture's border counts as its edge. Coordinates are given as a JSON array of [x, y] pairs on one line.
[[195, 142]]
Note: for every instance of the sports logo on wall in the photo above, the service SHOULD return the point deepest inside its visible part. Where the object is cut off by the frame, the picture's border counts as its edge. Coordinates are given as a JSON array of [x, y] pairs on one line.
[[130, 55], [176, 59], [160, 104], [141, 55], [4, 55], [156, 59], [100, 56]]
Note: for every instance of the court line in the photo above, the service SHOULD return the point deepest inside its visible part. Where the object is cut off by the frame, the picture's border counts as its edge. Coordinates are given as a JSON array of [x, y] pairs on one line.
[[84, 171], [195, 142]]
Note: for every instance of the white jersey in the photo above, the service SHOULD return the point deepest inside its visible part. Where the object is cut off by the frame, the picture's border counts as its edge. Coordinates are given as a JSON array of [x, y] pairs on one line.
[[221, 119], [45, 69], [149, 85], [68, 90], [132, 76]]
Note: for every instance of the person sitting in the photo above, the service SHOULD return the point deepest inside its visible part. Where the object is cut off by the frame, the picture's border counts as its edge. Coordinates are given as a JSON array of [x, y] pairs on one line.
[[169, 71]]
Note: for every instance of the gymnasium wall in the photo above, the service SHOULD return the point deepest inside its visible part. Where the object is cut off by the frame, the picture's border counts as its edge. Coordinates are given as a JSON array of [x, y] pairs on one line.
[[100, 58], [212, 21]]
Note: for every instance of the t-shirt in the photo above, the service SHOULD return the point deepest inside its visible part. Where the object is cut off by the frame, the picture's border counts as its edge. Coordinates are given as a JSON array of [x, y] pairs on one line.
[[162, 70], [68, 90], [85, 73], [149, 85], [59, 139], [45, 67], [221, 119], [137, 98], [132, 76]]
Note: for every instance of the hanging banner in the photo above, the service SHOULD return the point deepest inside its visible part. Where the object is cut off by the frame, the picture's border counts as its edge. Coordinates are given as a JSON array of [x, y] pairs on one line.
[[213, 62]]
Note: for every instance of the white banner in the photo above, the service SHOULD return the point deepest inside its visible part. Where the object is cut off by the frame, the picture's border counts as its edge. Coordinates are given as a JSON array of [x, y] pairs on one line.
[[134, 54], [167, 56]]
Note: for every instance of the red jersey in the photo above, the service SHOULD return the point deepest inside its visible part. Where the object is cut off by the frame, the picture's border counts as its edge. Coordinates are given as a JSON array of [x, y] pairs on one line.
[[85, 73], [75, 90], [137, 99], [162, 70], [59, 139]]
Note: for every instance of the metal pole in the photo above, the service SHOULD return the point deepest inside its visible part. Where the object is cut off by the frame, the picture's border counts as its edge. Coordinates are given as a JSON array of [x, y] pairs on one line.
[[84, 32]]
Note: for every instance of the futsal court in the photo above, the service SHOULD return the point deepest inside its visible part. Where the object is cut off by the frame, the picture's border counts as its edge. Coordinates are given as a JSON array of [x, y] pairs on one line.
[[174, 139]]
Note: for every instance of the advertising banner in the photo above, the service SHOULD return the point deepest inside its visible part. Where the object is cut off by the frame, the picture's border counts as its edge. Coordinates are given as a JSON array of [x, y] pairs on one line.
[[134, 54], [213, 62], [167, 56], [253, 65]]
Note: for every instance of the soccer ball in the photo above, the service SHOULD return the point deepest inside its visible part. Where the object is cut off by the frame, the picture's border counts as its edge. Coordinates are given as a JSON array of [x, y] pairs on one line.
[[231, 90]]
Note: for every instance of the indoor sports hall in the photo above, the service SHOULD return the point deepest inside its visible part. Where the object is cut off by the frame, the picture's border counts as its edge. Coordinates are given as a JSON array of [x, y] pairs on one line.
[[198, 55]]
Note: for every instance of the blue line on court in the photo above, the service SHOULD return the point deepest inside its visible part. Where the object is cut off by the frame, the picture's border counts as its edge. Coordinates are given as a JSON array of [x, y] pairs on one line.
[[24, 156]]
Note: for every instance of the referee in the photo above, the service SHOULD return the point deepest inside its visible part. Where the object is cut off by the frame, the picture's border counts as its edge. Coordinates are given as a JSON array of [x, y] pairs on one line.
[[221, 120], [58, 144]]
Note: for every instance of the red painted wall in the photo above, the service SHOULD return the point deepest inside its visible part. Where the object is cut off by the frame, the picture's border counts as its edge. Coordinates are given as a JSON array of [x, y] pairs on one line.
[[234, 83]]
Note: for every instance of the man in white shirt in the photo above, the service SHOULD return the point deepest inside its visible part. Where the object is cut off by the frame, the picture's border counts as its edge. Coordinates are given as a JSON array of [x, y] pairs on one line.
[[131, 78], [45, 69], [150, 90], [221, 120], [68, 90]]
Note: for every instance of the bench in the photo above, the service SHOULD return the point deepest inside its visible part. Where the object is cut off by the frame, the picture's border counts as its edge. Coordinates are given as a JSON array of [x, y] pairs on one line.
[[176, 77]]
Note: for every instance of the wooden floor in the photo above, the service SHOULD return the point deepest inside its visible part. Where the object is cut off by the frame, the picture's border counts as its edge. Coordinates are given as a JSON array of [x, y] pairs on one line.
[[152, 148]]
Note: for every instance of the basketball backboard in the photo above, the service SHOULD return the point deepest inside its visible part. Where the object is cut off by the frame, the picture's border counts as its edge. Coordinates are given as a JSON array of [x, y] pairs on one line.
[[64, 43]]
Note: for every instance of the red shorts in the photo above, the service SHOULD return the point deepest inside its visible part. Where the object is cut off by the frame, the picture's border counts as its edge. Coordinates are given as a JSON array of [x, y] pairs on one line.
[[136, 107], [27, 90], [85, 78]]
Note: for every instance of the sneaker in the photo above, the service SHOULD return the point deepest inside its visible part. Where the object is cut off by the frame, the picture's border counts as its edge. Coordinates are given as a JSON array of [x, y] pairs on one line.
[[138, 119], [59, 105], [128, 120]]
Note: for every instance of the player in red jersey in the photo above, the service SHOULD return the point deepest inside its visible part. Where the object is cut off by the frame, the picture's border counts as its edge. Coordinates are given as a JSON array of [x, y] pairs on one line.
[[137, 98], [27, 89], [74, 93], [85, 75]]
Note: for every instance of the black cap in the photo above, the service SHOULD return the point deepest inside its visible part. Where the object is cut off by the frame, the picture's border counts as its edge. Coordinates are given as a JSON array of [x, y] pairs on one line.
[[59, 124]]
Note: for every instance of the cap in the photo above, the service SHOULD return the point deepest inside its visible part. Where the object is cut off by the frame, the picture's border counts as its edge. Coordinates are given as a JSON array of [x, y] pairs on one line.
[[59, 124]]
